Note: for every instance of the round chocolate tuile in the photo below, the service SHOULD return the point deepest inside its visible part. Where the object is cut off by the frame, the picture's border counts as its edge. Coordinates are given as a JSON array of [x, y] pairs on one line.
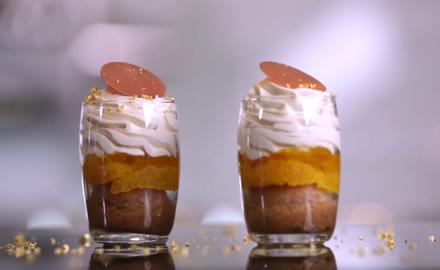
[[131, 80], [289, 77]]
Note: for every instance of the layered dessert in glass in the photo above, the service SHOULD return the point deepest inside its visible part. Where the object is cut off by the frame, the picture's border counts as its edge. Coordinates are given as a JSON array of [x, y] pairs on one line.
[[289, 157], [130, 157]]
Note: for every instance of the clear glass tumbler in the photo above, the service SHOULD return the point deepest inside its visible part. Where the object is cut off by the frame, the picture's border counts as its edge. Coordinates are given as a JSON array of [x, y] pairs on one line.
[[289, 167], [130, 169]]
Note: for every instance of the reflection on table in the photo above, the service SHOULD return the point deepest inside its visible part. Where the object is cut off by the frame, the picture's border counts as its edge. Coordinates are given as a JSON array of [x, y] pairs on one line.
[[300, 258], [112, 262]]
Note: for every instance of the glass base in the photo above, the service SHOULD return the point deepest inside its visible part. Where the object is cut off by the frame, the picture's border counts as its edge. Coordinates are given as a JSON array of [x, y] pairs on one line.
[[292, 251], [129, 251], [290, 239], [104, 237]]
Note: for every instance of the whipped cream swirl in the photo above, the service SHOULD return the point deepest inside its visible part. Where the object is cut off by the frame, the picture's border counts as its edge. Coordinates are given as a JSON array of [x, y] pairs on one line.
[[113, 123], [274, 117]]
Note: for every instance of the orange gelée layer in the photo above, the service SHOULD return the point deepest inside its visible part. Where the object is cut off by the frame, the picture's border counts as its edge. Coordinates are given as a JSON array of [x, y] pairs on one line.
[[127, 172], [293, 167]]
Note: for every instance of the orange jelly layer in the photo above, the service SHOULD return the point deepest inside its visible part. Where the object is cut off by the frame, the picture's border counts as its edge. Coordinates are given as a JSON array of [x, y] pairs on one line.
[[293, 167], [127, 172]]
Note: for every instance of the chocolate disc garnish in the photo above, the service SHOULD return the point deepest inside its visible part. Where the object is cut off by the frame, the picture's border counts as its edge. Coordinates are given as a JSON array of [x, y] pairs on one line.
[[130, 80], [289, 77]]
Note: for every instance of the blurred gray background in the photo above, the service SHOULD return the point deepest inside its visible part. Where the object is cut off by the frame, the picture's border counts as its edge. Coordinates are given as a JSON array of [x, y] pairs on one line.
[[380, 57]]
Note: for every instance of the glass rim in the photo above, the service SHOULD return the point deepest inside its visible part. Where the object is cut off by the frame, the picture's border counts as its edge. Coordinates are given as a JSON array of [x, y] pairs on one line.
[[280, 97], [130, 101]]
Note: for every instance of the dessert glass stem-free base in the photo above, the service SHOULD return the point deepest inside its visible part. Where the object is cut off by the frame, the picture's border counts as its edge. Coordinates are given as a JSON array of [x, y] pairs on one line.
[[104, 237], [290, 239], [126, 251], [289, 251]]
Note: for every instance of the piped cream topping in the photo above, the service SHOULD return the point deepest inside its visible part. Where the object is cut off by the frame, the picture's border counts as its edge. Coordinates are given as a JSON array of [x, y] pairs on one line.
[[130, 124], [277, 117]]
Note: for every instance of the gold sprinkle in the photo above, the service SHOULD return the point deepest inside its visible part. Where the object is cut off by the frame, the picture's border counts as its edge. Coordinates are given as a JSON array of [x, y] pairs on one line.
[[37, 251], [65, 248], [146, 96], [53, 241], [390, 244], [85, 240], [117, 248], [99, 250], [20, 240], [22, 248], [413, 247], [247, 239], [307, 85], [58, 251], [146, 251], [390, 235], [174, 243], [19, 252]]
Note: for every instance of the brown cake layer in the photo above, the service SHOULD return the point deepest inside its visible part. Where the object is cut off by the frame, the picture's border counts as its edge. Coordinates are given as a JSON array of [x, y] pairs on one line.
[[146, 211], [288, 210]]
